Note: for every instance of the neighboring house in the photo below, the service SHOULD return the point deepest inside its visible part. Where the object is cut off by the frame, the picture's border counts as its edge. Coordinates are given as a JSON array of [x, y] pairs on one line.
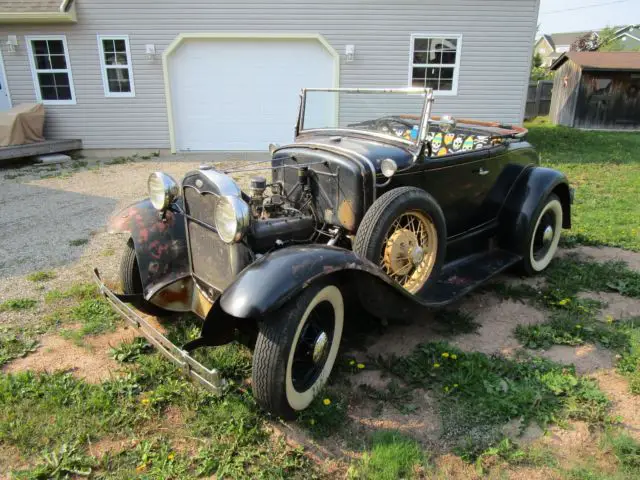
[[551, 46], [598, 90], [225, 75]]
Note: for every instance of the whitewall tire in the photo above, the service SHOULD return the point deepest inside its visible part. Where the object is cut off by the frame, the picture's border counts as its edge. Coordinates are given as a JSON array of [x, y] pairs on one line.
[[296, 349], [544, 236]]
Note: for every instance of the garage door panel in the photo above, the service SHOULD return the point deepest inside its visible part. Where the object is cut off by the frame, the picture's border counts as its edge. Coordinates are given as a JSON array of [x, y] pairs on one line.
[[242, 94]]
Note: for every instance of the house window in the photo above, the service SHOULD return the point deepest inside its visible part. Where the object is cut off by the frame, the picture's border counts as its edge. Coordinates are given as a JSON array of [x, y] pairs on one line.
[[115, 61], [435, 62], [51, 70]]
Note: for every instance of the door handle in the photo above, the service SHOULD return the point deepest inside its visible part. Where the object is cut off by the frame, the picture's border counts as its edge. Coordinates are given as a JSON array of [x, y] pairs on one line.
[[481, 171]]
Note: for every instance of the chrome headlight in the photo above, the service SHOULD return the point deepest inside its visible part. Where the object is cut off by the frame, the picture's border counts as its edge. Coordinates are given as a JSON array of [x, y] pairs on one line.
[[232, 218], [388, 167], [163, 190]]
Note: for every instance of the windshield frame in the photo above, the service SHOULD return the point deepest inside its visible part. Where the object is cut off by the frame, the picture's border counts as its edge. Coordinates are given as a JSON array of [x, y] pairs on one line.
[[424, 117]]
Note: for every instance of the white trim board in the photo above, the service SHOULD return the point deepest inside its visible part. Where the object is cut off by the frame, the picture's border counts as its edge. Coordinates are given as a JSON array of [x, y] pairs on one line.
[[4, 79]]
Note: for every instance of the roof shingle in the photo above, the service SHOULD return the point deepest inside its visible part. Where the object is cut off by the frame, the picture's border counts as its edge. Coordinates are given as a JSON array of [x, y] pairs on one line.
[[601, 60]]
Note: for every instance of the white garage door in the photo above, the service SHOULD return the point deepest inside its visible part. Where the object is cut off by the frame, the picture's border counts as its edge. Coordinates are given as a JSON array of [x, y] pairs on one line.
[[242, 94]]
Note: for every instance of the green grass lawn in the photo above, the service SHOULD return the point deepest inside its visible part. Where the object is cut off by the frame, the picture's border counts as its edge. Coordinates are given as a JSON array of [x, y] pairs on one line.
[[604, 167]]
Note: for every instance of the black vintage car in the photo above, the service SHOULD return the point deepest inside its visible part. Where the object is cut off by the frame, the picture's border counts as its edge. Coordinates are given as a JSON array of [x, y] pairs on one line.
[[398, 212]]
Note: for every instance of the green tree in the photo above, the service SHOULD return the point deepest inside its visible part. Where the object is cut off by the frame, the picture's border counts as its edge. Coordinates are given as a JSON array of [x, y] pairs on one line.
[[607, 41]]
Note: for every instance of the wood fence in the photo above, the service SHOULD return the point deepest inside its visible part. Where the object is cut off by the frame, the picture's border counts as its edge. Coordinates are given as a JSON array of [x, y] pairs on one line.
[[538, 99]]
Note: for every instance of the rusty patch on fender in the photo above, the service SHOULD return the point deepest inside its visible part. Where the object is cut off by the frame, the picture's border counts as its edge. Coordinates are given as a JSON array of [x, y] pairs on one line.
[[346, 215]]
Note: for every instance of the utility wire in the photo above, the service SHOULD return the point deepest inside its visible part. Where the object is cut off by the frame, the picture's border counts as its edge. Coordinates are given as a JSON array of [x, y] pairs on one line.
[[583, 7]]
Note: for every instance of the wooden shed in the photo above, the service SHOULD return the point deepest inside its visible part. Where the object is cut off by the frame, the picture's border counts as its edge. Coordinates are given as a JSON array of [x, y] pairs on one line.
[[597, 90]]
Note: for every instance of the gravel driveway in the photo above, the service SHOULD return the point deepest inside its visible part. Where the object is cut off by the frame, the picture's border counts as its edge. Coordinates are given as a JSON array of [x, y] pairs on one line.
[[52, 222]]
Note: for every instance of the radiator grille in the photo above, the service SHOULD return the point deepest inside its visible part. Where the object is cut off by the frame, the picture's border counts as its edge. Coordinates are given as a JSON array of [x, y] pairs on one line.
[[200, 206], [209, 256]]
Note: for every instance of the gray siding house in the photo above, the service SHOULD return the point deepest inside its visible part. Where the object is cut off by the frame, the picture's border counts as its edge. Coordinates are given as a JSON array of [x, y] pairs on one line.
[[224, 75]]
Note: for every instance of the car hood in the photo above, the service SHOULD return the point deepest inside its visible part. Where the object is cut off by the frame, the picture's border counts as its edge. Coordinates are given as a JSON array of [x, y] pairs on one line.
[[375, 150]]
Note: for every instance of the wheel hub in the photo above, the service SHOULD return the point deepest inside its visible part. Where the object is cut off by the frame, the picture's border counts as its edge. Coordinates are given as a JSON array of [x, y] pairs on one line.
[[547, 234], [402, 251], [320, 347]]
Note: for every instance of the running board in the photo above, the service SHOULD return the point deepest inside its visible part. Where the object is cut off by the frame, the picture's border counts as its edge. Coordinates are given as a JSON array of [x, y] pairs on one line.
[[464, 275]]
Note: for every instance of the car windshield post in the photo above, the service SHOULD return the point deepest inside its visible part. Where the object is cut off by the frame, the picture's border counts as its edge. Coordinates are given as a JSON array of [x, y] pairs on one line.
[[424, 120]]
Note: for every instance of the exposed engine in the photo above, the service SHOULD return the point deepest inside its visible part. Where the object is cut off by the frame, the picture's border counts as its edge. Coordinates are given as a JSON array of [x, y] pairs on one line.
[[279, 217]]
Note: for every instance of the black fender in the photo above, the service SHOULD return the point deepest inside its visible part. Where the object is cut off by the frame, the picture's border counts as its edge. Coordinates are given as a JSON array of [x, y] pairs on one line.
[[522, 204], [272, 280], [160, 242]]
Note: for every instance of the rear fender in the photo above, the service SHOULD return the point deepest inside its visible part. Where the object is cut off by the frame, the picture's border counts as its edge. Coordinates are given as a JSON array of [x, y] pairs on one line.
[[523, 202], [160, 243], [268, 283]]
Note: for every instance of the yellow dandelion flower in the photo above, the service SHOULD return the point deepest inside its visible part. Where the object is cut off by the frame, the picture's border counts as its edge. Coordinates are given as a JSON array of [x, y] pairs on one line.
[[445, 354], [171, 456], [145, 401], [609, 319], [436, 365], [454, 356], [352, 362], [564, 301], [326, 401], [361, 366]]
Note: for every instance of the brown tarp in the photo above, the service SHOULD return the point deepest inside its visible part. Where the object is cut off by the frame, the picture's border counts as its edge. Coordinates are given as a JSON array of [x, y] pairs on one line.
[[22, 124]]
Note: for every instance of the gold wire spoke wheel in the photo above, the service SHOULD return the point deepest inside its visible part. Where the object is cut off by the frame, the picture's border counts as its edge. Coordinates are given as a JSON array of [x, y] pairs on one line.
[[409, 250]]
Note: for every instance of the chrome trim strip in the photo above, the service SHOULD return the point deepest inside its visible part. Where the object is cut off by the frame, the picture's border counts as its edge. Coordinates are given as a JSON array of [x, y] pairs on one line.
[[409, 90], [224, 183], [363, 132]]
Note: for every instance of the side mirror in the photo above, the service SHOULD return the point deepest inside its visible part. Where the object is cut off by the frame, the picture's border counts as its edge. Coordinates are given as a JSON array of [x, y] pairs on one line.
[[447, 123]]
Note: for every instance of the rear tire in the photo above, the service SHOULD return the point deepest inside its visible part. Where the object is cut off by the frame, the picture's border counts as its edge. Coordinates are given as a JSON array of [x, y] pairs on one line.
[[296, 349], [543, 236], [132, 283]]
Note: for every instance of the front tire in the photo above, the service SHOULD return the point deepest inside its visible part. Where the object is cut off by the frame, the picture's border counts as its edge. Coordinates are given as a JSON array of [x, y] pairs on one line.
[[296, 349], [404, 232], [543, 236]]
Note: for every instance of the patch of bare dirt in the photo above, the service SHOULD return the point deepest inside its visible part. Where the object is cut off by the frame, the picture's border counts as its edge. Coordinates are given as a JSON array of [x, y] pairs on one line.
[[606, 254], [624, 404], [109, 445], [617, 307], [497, 319], [91, 362], [454, 468], [586, 358], [423, 423], [11, 459], [578, 445]]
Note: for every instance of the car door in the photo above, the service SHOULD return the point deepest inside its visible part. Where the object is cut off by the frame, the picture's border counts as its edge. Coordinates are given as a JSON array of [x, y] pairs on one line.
[[461, 183]]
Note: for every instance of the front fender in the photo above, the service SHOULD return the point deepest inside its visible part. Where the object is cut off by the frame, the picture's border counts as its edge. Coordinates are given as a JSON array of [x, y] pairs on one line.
[[271, 281], [160, 243], [523, 202]]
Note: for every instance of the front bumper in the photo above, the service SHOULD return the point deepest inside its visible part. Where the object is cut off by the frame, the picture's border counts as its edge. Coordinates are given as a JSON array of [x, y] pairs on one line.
[[209, 378]]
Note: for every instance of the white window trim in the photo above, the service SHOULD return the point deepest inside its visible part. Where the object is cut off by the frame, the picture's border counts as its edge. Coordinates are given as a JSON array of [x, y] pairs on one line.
[[456, 67], [103, 66], [34, 71]]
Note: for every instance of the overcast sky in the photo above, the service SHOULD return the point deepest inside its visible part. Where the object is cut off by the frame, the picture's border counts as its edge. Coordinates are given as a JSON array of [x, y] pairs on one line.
[[573, 15]]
